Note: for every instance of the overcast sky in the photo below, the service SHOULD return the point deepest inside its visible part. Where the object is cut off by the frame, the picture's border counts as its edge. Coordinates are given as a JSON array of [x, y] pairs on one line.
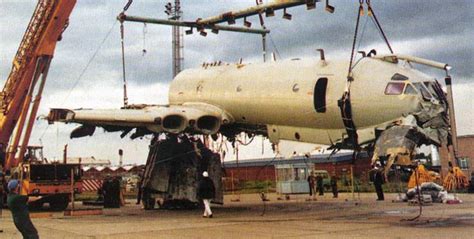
[[437, 30]]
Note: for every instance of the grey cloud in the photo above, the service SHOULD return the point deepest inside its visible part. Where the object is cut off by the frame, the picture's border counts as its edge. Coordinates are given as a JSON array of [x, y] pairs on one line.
[[91, 20]]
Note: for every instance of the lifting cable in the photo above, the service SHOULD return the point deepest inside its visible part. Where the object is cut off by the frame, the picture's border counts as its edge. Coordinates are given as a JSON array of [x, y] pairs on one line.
[[420, 200], [275, 47], [263, 196], [125, 97], [264, 36], [360, 13], [379, 27], [145, 31], [361, 37], [345, 102], [89, 62]]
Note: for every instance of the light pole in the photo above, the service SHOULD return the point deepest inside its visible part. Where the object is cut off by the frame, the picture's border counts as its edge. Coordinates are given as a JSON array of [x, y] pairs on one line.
[[174, 13]]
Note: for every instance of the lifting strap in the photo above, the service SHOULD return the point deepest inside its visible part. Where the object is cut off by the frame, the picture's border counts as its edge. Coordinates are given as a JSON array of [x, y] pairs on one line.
[[345, 102], [125, 98], [379, 27]]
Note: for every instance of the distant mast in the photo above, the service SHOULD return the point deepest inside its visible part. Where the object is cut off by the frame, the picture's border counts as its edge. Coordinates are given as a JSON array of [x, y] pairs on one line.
[[174, 13]]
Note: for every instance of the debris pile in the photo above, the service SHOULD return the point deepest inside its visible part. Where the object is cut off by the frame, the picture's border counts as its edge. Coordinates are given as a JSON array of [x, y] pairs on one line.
[[430, 192], [174, 167], [455, 179], [424, 176]]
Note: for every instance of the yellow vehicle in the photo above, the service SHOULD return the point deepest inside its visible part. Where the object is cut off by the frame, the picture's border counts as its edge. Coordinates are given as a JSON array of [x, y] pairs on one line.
[[48, 182]]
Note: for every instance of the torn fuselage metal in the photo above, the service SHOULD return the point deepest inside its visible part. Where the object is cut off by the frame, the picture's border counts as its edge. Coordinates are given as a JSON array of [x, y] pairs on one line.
[[427, 125]]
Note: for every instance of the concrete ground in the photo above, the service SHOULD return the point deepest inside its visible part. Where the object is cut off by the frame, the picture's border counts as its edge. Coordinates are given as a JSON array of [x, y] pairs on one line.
[[250, 218]]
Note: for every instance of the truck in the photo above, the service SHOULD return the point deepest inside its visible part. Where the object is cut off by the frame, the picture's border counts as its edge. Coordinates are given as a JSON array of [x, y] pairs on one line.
[[51, 183]]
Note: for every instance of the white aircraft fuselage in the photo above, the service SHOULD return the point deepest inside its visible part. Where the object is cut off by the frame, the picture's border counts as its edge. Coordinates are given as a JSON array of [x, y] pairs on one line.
[[291, 100], [283, 95]]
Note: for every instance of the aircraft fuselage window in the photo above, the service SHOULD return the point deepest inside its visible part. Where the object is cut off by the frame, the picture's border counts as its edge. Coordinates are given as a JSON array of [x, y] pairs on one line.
[[319, 96], [394, 88], [399, 77]]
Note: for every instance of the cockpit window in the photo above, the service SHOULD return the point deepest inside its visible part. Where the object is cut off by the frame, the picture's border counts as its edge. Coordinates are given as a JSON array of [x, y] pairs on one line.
[[429, 85], [410, 90], [399, 77], [424, 92], [394, 88]]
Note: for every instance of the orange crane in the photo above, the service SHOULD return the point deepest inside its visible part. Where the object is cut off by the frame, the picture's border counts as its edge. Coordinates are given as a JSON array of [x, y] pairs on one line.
[[31, 63], [20, 98]]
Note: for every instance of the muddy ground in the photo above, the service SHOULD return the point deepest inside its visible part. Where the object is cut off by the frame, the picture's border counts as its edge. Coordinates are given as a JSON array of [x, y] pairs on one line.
[[250, 218]]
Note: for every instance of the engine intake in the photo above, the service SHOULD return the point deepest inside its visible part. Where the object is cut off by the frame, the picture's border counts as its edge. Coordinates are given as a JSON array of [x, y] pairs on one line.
[[174, 124], [208, 124]]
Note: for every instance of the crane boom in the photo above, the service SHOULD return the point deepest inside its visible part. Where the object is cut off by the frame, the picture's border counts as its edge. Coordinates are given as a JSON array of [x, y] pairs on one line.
[[31, 62]]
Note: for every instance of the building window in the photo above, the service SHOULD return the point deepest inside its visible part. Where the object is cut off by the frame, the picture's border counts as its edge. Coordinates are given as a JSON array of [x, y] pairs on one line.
[[463, 162], [297, 175], [284, 174]]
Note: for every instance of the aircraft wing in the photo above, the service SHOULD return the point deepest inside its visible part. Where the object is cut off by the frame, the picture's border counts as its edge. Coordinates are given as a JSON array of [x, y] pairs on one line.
[[198, 118]]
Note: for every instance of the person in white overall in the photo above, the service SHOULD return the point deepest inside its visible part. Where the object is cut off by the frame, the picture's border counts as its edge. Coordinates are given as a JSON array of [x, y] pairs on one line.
[[206, 191]]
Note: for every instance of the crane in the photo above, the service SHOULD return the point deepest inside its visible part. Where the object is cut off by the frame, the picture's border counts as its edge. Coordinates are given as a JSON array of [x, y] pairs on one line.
[[30, 67]]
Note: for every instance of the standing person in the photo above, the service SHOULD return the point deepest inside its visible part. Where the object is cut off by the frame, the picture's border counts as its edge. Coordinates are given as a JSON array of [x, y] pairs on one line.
[[206, 191], [123, 188], [139, 187], [20, 213], [334, 185], [116, 192], [107, 192], [378, 182], [320, 187], [312, 186]]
